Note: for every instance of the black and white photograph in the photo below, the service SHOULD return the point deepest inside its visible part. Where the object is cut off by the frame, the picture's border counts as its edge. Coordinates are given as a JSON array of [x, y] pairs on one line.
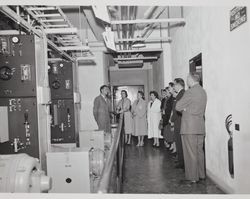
[[124, 99]]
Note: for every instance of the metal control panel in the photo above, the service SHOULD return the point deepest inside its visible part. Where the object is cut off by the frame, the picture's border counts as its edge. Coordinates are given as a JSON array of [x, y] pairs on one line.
[[17, 66], [63, 121], [63, 109], [23, 72], [22, 126], [61, 80]]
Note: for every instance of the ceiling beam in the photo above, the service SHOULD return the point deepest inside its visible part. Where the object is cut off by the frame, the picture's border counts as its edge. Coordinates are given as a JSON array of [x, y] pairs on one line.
[[144, 39], [97, 28], [12, 15], [85, 58], [48, 15], [140, 50], [139, 21], [80, 48], [42, 8], [60, 30], [134, 58]]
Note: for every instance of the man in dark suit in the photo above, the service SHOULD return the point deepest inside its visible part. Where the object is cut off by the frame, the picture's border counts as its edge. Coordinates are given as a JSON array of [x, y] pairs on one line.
[[179, 87], [193, 105], [102, 108]]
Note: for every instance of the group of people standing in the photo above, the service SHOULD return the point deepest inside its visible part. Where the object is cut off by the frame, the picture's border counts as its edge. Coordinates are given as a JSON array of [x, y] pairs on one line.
[[141, 119], [178, 118]]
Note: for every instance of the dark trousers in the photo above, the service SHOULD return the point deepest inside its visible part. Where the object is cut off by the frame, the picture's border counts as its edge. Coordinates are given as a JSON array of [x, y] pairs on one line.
[[179, 149]]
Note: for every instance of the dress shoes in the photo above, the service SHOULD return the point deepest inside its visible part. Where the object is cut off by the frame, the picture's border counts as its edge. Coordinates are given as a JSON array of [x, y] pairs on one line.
[[188, 182]]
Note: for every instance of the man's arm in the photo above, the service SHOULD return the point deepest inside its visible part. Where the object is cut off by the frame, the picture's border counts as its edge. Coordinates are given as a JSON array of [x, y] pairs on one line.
[[184, 102], [95, 108]]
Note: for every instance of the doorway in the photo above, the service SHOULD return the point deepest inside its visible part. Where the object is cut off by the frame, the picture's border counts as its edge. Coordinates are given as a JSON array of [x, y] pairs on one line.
[[132, 92], [195, 65]]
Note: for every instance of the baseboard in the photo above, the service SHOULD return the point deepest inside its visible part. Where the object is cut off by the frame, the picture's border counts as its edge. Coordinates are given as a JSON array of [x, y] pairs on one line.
[[222, 185]]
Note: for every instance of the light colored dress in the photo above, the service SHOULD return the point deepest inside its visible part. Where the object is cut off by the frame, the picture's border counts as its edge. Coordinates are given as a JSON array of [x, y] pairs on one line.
[[125, 104], [154, 117], [139, 108]]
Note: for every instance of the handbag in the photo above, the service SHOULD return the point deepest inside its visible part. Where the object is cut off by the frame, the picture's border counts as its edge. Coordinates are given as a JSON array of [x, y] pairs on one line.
[[160, 126]]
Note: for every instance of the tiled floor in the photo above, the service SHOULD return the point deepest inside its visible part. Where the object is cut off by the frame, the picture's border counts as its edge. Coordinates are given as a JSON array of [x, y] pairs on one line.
[[151, 170]]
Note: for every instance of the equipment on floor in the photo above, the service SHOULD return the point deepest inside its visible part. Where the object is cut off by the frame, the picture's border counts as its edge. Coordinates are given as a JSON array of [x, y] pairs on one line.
[[21, 173], [75, 170]]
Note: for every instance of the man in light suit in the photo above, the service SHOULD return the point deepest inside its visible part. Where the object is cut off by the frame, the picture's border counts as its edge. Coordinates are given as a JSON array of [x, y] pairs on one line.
[[102, 108], [193, 105]]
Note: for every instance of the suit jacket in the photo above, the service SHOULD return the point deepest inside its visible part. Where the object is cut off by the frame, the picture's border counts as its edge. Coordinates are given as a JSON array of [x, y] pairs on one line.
[[168, 109], [193, 105], [101, 113], [176, 117]]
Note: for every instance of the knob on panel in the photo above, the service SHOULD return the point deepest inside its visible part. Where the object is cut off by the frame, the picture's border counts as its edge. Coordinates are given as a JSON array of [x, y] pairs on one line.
[[5, 73]]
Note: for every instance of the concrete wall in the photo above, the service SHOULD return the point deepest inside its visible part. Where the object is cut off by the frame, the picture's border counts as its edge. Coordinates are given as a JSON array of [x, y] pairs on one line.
[[223, 54], [91, 77]]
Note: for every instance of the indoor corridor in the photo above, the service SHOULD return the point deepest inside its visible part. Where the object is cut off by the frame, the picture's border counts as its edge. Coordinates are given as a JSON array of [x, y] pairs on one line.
[[152, 170]]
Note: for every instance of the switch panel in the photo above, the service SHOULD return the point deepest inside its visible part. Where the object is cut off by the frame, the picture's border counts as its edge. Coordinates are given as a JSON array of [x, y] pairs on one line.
[[22, 126], [17, 66], [63, 121], [61, 80]]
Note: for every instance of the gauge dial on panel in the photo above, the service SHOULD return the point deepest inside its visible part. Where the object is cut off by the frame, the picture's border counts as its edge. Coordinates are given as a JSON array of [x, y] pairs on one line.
[[15, 39]]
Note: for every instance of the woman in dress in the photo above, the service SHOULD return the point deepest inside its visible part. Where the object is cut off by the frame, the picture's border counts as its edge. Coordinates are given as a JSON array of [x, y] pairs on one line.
[[154, 117], [166, 113], [139, 112], [124, 106]]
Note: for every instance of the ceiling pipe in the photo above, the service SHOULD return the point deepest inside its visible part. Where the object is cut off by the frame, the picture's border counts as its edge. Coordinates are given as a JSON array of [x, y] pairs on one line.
[[148, 27], [132, 15], [179, 24], [118, 28], [123, 14], [128, 26], [149, 12]]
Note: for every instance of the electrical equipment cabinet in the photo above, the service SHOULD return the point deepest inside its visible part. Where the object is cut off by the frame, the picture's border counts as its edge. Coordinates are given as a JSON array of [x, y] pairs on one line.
[[24, 95], [75, 170], [22, 125], [64, 107], [63, 121], [61, 80], [18, 66]]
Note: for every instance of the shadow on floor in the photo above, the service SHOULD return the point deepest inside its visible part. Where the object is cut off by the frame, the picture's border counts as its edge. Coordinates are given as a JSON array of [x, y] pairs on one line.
[[152, 170]]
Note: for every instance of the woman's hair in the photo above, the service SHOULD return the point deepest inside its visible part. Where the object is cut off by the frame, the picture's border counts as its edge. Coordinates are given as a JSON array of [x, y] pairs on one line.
[[154, 93], [126, 93], [171, 84], [141, 93]]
